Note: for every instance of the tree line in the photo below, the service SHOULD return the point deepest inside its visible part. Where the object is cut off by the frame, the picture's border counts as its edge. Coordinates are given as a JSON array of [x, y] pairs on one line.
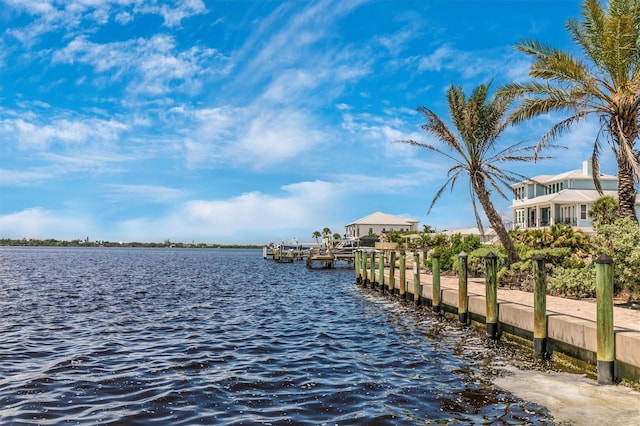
[[50, 242]]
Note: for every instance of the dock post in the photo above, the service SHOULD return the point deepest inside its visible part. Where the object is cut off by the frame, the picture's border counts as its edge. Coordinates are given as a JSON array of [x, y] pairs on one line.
[[435, 271], [463, 301], [264, 252], [356, 265], [381, 271], [392, 272], [372, 270], [604, 326], [491, 290], [417, 290], [403, 275], [363, 267], [539, 306]]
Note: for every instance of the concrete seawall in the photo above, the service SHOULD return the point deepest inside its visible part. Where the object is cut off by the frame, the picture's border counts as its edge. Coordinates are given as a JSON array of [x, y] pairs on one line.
[[571, 324]]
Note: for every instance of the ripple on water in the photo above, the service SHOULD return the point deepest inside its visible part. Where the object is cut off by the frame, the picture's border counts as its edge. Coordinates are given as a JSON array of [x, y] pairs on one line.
[[141, 336]]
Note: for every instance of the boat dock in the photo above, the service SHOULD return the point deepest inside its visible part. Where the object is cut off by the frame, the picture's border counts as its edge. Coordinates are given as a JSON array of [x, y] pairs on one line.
[[342, 252]]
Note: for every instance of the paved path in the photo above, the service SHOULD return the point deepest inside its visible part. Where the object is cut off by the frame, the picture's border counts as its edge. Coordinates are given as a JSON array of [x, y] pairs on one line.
[[585, 309]]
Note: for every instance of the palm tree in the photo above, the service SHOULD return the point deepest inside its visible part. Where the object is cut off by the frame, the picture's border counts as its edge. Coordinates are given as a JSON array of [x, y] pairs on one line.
[[479, 123], [316, 235], [606, 85]]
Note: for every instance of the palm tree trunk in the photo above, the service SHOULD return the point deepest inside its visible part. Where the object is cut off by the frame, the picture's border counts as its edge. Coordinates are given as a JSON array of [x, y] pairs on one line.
[[626, 181], [626, 184], [495, 220], [626, 192]]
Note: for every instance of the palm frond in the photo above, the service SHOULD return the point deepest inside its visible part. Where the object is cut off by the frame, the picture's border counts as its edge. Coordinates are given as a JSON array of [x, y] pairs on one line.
[[556, 130], [476, 213], [449, 182], [439, 129], [427, 147]]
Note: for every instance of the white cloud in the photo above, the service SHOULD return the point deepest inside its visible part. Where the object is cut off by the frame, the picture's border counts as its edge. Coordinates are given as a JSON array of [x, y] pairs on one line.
[[175, 13], [123, 18], [33, 7], [504, 62], [32, 135], [143, 193], [256, 136], [254, 214], [49, 15], [439, 59], [151, 66], [41, 223], [274, 137], [290, 85], [23, 177]]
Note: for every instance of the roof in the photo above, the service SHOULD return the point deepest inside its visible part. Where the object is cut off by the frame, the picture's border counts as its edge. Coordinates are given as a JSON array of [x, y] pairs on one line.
[[573, 174], [487, 231], [379, 218]]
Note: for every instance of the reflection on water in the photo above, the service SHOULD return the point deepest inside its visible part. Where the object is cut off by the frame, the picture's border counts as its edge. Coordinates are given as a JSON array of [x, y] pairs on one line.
[[139, 336]]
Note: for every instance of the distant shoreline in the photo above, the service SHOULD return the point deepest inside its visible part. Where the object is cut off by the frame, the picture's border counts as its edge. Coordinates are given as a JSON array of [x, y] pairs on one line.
[[31, 242]]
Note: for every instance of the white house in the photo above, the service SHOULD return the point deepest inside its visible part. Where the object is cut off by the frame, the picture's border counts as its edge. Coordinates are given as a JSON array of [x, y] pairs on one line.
[[564, 198], [377, 223]]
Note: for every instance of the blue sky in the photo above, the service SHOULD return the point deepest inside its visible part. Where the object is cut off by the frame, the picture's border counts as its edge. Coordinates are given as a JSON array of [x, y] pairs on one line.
[[248, 121]]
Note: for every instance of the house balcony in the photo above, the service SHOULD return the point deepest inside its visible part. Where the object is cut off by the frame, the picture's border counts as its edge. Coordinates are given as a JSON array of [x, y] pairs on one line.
[[545, 223]]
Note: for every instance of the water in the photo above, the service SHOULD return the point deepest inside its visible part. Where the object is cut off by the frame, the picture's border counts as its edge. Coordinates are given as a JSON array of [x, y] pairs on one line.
[[144, 336]]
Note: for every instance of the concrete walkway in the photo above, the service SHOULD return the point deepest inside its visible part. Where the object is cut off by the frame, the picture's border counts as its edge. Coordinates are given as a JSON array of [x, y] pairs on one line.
[[571, 324], [585, 309]]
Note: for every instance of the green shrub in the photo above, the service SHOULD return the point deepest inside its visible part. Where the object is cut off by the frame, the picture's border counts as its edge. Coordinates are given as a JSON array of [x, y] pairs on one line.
[[573, 282], [620, 241], [561, 256], [476, 265]]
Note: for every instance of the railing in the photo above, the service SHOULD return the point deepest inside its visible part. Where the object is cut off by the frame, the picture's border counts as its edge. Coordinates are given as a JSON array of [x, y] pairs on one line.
[[567, 221]]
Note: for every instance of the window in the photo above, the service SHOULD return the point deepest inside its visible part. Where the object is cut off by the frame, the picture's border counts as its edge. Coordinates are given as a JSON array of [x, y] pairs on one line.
[[583, 211], [518, 193], [553, 188]]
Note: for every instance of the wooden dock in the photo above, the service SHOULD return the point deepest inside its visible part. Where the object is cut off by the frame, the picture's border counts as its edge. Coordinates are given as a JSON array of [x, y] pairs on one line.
[[328, 259], [280, 255], [343, 252]]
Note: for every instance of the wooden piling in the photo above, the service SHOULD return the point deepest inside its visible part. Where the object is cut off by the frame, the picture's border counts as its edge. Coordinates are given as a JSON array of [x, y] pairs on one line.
[[539, 306], [392, 271], [463, 300], [356, 263], [604, 321], [381, 271], [491, 296], [372, 270], [403, 275], [363, 266], [435, 271], [417, 290]]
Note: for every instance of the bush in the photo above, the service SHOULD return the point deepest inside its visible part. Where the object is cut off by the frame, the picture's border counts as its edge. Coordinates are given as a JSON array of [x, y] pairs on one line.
[[476, 261], [450, 248], [620, 241], [573, 282], [517, 276]]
